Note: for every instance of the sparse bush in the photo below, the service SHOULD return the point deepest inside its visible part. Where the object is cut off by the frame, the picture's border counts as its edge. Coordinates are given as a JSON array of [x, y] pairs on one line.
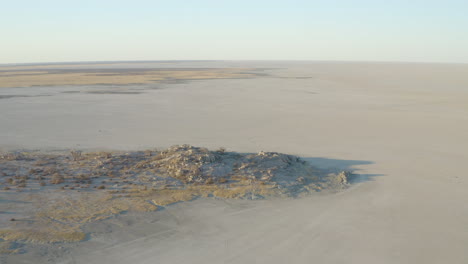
[[76, 155], [11, 156], [221, 150], [49, 171], [107, 155], [82, 178], [41, 162], [57, 179], [209, 181], [23, 178], [222, 180]]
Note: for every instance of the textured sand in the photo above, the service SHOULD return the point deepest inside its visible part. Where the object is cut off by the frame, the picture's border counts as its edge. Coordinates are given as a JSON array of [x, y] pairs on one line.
[[404, 126]]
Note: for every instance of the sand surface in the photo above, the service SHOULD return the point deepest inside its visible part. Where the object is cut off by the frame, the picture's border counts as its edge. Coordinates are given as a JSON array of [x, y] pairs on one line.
[[403, 127]]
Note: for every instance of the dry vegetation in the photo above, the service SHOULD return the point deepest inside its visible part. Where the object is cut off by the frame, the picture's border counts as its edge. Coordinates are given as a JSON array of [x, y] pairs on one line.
[[8, 247], [50, 77], [72, 189]]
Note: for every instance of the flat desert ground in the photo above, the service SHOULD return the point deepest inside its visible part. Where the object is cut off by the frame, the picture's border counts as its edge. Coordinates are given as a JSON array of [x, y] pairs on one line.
[[403, 127]]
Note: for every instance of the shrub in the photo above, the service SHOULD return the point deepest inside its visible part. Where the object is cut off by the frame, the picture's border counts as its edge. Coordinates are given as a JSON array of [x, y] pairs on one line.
[[221, 150], [57, 179], [209, 181], [222, 180], [76, 155]]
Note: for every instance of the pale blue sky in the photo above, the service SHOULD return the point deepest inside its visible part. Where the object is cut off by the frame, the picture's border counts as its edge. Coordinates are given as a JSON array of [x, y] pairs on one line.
[[362, 30]]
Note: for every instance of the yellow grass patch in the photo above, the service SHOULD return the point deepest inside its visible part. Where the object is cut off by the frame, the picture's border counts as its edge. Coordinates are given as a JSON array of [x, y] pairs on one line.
[[61, 221], [28, 79], [91, 208], [21, 73], [6, 247], [41, 236], [169, 196]]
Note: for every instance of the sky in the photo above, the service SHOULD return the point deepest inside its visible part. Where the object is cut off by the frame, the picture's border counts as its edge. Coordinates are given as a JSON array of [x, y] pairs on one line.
[[323, 30]]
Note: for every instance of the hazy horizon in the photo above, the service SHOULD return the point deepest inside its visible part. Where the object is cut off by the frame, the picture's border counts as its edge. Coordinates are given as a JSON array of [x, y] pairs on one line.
[[220, 60], [364, 31]]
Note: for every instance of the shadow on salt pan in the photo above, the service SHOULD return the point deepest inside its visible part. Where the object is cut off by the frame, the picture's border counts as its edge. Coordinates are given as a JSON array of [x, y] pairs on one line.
[[9, 96], [335, 165], [114, 92]]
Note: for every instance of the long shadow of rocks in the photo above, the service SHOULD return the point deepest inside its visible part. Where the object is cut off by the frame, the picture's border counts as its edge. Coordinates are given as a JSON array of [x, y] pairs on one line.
[[336, 165]]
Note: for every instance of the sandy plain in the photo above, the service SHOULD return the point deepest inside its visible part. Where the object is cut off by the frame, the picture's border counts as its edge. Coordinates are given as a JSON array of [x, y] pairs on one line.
[[402, 127]]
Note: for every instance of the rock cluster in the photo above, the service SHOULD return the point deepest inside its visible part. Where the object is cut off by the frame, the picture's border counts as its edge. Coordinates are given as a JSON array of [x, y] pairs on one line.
[[177, 166], [196, 165]]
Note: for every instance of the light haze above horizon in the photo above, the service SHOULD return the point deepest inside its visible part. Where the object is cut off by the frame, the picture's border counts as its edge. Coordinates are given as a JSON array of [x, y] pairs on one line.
[[361, 30]]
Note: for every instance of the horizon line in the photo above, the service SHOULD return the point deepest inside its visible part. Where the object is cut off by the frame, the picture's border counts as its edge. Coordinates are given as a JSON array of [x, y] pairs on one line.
[[221, 60]]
